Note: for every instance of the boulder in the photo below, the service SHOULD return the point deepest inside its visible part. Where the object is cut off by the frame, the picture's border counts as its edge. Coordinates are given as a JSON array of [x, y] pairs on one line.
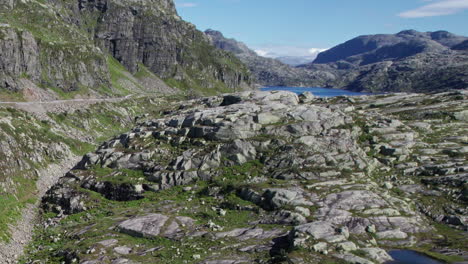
[[306, 97], [154, 225], [377, 254], [266, 119], [346, 246], [353, 259], [277, 198], [391, 234]]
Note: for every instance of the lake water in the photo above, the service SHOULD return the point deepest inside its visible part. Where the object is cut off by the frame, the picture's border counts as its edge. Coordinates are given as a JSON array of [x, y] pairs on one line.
[[319, 92], [410, 257]]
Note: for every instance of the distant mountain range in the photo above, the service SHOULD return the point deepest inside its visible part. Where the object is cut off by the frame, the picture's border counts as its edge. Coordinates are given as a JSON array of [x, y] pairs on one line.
[[296, 60], [267, 71], [406, 61]]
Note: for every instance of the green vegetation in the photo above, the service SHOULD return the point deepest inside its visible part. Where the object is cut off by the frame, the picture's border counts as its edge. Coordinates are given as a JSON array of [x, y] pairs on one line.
[[232, 178], [27, 135], [12, 204], [119, 76], [32, 138], [197, 80], [100, 222], [143, 72], [9, 96], [117, 176]]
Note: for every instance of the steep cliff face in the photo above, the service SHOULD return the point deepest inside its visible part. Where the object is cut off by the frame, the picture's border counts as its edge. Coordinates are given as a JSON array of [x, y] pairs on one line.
[[56, 57], [20, 55], [151, 33], [65, 46]]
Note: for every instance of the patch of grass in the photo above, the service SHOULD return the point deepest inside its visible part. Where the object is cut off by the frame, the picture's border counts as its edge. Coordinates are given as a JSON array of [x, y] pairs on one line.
[[232, 178], [10, 96], [11, 206], [143, 72], [119, 74]]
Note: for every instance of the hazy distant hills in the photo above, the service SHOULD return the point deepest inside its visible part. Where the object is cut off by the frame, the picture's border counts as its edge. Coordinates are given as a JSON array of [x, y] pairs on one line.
[[268, 71], [407, 61], [461, 46], [375, 48], [296, 60]]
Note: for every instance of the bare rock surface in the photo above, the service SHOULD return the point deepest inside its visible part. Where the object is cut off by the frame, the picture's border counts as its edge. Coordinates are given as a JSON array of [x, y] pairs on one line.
[[266, 175]]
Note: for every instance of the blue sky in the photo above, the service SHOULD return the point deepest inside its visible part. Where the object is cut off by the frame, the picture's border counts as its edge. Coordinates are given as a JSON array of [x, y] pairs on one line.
[[299, 27]]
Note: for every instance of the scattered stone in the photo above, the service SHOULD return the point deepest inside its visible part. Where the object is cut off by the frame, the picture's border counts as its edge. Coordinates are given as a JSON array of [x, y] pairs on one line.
[[346, 246], [392, 234], [123, 250], [306, 97], [377, 254], [321, 247]]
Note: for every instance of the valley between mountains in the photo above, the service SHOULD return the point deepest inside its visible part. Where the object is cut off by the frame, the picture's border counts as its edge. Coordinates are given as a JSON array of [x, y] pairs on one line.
[[129, 136]]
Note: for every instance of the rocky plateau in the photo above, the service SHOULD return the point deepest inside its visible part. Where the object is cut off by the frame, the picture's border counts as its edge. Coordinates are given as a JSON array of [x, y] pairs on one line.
[[268, 177]]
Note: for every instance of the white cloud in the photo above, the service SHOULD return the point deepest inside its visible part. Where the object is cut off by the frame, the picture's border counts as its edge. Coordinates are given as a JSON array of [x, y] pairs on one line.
[[186, 4], [315, 51], [273, 51], [262, 53], [438, 8]]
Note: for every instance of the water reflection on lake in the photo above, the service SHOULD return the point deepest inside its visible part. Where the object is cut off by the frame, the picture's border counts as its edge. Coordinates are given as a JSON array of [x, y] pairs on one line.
[[410, 257]]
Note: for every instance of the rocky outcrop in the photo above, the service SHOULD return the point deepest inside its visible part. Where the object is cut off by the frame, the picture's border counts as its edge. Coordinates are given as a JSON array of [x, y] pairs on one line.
[[154, 225], [269, 176], [20, 54], [409, 61], [23, 60]]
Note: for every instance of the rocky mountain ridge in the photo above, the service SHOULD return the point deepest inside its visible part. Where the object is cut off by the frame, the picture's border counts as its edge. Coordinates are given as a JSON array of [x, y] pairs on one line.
[[374, 48], [269, 177], [407, 61], [81, 48]]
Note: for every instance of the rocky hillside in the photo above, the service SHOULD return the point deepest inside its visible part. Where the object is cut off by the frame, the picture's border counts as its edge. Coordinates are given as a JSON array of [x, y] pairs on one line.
[[41, 142], [268, 71], [407, 61], [264, 177], [69, 48]]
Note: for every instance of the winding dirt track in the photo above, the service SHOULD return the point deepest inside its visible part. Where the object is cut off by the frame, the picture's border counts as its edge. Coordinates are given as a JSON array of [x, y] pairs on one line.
[[41, 108], [68, 101]]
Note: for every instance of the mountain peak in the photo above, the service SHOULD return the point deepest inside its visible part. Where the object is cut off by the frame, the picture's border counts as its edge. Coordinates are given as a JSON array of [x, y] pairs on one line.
[[219, 41], [411, 32], [214, 33]]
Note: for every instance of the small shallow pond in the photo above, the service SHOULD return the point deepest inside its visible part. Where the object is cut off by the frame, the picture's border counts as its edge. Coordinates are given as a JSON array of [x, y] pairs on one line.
[[319, 92], [402, 256]]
